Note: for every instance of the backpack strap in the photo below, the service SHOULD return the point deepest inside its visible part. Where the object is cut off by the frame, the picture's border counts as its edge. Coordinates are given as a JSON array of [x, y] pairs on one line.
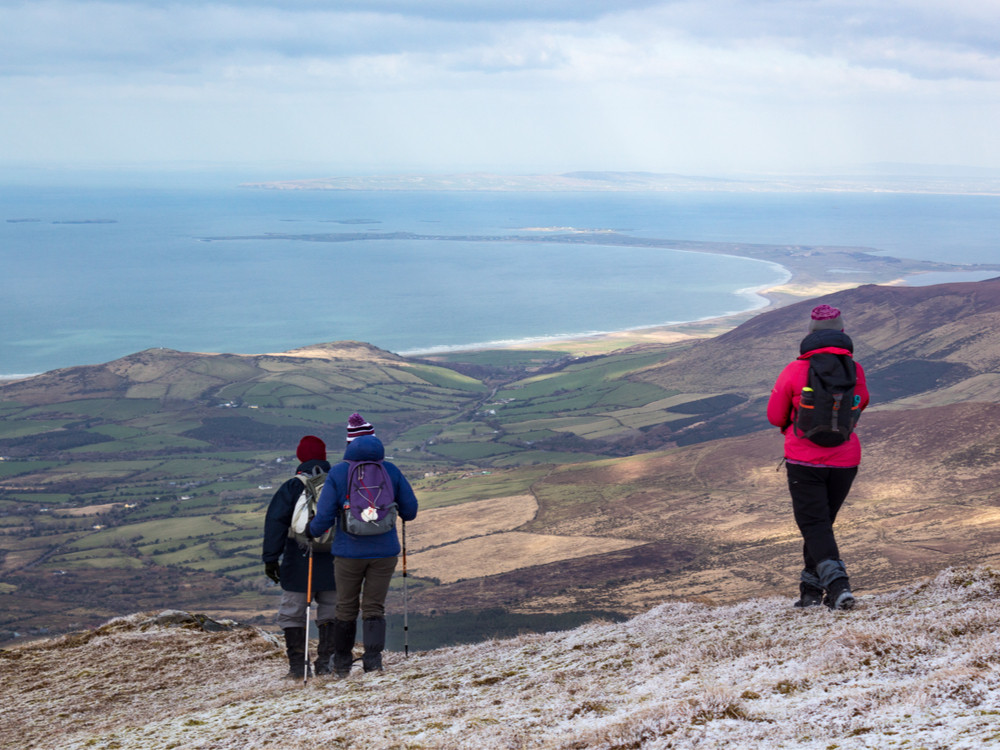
[[303, 476]]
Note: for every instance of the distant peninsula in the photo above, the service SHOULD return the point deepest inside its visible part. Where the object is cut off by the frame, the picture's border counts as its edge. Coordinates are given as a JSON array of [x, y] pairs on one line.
[[902, 179], [64, 221], [87, 221]]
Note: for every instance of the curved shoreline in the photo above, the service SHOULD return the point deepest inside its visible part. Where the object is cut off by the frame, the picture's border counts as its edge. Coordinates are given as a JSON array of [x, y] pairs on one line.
[[758, 295], [596, 342], [812, 271], [668, 332]]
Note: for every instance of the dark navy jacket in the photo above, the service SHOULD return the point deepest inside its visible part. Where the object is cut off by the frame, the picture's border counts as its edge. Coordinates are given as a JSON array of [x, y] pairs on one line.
[[278, 545], [364, 448]]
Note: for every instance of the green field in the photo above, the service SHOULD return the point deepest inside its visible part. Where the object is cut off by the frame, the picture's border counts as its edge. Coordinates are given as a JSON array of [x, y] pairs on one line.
[[13, 468], [174, 473]]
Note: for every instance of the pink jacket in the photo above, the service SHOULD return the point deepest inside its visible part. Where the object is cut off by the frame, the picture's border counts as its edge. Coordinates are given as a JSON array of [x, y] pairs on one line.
[[785, 400]]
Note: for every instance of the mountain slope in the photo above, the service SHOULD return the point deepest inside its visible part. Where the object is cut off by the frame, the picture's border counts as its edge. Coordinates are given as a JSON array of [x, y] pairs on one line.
[[935, 345], [917, 667], [889, 324], [713, 522]]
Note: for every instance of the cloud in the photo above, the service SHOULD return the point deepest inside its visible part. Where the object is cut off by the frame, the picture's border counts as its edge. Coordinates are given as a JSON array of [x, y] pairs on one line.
[[75, 37], [573, 83]]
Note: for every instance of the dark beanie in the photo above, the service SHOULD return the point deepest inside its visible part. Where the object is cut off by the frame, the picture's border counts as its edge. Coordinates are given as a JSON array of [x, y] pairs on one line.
[[826, 317], [311, 448]]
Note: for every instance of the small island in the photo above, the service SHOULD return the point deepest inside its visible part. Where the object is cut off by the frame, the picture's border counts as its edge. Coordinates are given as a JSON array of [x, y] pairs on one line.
[[87, 221]]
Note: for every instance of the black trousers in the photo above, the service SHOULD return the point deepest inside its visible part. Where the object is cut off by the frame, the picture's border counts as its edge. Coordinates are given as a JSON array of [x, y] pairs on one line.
[[817, 495]]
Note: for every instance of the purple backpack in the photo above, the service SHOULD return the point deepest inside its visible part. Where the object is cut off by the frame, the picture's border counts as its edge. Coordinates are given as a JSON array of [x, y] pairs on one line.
[[370, 505]]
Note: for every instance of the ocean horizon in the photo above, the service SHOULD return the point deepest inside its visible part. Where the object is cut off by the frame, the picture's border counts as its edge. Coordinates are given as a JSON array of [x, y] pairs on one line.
[[93, 274]]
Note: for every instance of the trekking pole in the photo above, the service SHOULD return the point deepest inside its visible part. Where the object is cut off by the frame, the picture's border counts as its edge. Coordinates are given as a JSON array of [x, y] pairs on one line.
[[406, 622], [309, 586]]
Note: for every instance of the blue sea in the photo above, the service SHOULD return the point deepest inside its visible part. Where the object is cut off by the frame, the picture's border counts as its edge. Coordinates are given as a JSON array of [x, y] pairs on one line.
[[92, 273]]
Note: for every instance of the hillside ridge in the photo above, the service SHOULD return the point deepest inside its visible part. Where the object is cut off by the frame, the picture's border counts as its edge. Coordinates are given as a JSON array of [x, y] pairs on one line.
[[167, 366]]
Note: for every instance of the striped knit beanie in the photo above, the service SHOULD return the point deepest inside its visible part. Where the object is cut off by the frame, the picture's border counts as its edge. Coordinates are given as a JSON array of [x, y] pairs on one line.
[[358, 426]]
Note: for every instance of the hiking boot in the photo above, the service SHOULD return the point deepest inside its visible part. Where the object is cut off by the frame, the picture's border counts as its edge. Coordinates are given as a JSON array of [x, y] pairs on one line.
[[838, 595], [295, 648], [373, 635], [809, 596], [343, 646], [833, 575], [324, 651], [322, 667], [810, 589]]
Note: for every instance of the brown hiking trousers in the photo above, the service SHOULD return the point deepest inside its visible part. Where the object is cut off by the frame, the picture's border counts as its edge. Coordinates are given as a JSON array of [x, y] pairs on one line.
[[366, 580]]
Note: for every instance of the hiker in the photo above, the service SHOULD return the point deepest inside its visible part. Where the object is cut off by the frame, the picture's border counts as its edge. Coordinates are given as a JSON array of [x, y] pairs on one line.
[[365, 562], [292, 572], [819, 477]]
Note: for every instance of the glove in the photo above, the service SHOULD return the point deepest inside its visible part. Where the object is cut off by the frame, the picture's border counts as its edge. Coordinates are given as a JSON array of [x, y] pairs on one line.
[[273, 571], [308, 534]]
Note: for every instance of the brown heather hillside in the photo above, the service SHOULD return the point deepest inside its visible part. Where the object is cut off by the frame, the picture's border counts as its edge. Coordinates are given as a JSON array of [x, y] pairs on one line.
[[894, 328], [937, 344], [712, 522]]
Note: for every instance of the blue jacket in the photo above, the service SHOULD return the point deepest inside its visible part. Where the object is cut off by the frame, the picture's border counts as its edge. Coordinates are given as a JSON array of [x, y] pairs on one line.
[[364, 448], [278, 545]]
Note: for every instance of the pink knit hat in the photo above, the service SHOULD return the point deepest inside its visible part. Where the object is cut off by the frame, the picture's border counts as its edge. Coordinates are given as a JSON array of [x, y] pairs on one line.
[[826, 317], [358, 426]]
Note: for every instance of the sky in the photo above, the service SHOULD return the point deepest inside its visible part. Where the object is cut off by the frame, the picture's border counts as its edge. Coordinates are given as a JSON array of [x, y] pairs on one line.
[[315, 88]]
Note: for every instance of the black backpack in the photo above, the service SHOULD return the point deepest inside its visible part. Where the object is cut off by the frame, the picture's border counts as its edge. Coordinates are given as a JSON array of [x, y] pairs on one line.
[[829, 408]]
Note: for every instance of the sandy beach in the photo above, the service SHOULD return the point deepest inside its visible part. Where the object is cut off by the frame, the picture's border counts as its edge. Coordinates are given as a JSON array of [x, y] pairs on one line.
[[798, 287], [680, 333]]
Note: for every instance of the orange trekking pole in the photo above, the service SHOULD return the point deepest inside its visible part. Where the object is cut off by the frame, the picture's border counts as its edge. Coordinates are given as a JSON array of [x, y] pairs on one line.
[[309, 585]]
